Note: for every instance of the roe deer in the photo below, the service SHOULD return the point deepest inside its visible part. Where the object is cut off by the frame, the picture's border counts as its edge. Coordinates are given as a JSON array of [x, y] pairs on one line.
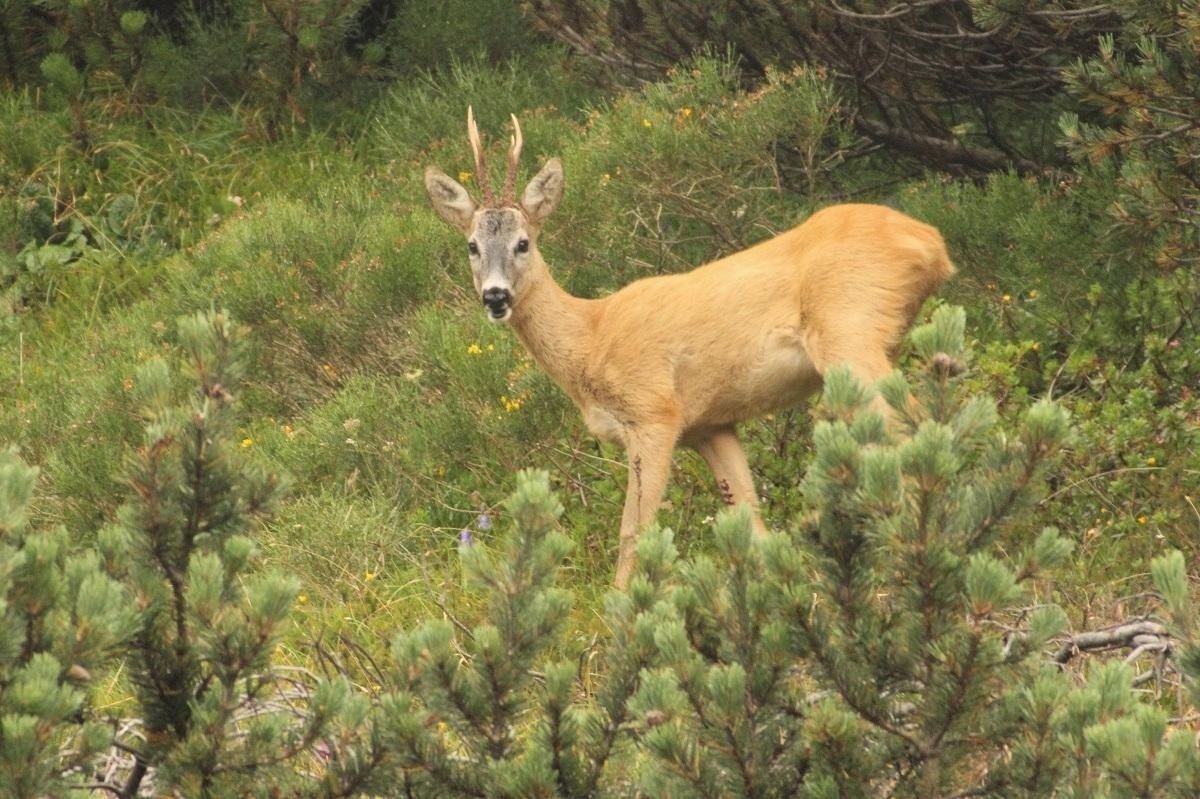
[[680, 359]]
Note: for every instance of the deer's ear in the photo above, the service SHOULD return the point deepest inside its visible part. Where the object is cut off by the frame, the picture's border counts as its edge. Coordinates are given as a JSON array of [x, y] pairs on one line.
[[543, 192], [449, 198]]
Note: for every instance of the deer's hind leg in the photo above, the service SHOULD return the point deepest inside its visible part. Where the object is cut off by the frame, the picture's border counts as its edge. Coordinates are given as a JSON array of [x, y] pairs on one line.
[[722, 451], [870, 358]]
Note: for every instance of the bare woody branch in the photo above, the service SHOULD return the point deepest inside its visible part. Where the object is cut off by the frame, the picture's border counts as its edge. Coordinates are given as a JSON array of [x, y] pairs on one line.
[[1140, 636]]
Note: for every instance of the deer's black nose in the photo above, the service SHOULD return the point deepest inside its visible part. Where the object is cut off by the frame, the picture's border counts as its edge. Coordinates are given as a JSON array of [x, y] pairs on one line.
[[498, 302]]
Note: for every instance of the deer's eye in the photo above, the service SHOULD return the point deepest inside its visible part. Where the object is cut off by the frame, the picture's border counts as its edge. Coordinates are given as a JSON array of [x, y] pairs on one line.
[[523, 245], [472, 248]]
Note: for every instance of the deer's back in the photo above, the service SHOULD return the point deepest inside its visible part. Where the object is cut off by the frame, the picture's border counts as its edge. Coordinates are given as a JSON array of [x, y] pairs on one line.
[[743, 335]]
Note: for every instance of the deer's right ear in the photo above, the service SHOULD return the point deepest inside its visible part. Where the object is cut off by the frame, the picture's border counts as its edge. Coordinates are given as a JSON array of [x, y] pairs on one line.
[[450, 199], [543, 191]]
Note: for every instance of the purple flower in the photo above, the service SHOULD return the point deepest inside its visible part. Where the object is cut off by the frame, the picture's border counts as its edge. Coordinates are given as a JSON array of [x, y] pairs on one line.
[[465, 537], [483, 522]]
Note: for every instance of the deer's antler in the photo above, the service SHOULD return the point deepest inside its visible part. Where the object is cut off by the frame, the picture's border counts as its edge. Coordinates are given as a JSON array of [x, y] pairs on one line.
[[481, 175], [514, 155]]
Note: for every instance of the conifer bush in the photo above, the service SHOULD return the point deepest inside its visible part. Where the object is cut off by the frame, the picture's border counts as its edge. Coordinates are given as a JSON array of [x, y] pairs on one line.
[[63, 622], [888, 646], [894, 643], [860, 655], [212, 705], [495, 709]]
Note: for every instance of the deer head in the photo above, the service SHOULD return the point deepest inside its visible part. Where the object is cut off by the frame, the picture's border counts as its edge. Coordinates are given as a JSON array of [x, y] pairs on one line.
[[501, 235]]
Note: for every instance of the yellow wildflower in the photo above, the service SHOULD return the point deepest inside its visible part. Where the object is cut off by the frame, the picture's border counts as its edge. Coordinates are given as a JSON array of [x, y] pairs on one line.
[[464, 176], [474, 349], [247, 443], [1151, 460]]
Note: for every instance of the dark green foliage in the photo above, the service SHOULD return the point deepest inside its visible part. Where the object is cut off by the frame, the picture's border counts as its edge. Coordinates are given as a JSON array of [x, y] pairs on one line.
[[926, 79], [1138, 348], [282, 63], [433, 34], [1142, 83]]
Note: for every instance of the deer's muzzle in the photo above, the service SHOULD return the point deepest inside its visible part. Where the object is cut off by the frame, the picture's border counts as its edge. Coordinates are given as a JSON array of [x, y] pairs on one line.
[[498, 302]]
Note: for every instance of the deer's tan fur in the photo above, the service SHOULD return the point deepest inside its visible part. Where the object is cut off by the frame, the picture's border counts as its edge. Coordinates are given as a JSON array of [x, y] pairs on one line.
[[681, 359]]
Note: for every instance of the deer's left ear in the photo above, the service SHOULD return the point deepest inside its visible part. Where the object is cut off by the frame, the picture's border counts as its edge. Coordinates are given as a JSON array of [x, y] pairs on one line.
[[450, 199], [543, 192]]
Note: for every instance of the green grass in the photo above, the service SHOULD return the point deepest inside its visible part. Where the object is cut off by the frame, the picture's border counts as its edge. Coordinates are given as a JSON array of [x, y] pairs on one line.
[[401, 414]]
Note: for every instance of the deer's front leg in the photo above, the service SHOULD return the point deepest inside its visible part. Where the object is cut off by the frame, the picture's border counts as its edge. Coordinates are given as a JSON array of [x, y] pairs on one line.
[[649, 452]]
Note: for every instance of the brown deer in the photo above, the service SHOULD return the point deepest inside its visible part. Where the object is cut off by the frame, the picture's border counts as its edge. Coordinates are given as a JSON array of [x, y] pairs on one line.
[[681, 359]]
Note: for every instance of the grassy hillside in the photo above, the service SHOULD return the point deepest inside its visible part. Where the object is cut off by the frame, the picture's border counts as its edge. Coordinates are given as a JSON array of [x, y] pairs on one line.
[[400, 416]]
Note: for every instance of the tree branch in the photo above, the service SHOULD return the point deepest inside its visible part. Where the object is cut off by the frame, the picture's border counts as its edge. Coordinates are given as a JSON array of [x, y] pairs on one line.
[[1135, 634], [945, 152]]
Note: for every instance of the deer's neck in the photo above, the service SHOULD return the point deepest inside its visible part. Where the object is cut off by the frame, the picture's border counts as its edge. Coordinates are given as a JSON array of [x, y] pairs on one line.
[[555, 327]]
